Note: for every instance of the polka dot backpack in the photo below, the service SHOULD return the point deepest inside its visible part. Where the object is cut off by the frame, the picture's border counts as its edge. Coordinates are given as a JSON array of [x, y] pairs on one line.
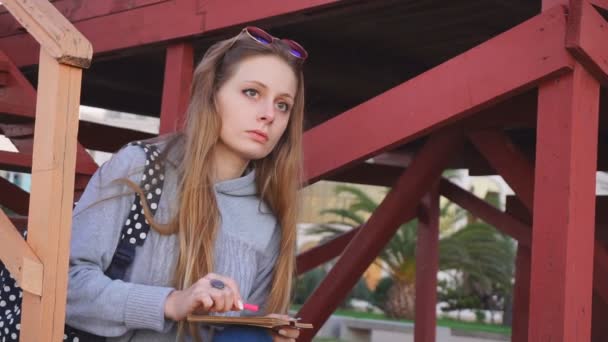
[[134, 233]]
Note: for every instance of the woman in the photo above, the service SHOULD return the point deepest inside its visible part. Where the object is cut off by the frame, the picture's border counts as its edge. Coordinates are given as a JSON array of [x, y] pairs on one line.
[[223, 233]]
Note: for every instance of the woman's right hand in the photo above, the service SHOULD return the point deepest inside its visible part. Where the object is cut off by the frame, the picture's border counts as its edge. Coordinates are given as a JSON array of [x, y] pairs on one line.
[[201, 297]]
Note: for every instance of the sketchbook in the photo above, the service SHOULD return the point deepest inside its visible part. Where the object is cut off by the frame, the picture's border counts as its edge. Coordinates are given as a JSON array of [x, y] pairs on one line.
[[263, 322]]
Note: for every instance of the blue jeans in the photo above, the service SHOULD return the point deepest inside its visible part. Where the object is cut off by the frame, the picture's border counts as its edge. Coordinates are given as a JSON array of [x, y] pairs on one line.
[[239, 333]]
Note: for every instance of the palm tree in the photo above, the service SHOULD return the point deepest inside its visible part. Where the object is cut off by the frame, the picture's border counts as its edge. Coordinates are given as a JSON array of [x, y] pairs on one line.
[[483, 256]]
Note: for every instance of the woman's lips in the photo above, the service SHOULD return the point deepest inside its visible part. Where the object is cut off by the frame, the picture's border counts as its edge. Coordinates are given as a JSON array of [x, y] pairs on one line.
[[258, 136]]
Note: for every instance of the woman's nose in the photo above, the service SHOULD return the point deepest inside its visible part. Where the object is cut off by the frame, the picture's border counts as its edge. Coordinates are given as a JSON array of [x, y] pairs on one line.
[[267, 113]]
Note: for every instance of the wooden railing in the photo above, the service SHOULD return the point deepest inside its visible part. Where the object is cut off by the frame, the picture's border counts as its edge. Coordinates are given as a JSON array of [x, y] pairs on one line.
[[40, 265]]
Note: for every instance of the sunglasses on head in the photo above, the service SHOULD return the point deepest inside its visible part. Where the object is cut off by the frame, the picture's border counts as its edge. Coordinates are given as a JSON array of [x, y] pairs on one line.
[[266, 38]]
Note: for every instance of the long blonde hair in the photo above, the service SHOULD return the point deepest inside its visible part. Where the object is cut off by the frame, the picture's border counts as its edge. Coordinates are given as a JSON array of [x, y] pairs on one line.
[[277, 176]]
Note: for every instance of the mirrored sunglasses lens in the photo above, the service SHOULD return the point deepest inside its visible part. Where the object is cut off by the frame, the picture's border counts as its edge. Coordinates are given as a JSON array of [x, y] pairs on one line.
[[296, 53], [259, 35], [260, 39]]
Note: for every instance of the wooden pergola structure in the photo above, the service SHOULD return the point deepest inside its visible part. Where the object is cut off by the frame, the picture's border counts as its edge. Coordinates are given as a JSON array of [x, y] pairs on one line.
[[510, 88]]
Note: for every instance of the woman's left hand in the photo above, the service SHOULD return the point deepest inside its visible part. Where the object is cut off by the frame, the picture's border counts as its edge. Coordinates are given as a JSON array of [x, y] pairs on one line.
[[284, 334]]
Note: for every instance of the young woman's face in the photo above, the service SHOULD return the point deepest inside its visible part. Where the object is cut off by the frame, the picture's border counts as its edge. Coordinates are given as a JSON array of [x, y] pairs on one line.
[[255, 105]]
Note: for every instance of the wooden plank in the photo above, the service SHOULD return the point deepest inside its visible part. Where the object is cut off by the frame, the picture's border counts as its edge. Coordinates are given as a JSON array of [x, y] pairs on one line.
[[319, 255], [485, 211], [600, 268], [19, 258], [514, 61], [585, 38], [504, 222], [20, 160], [427, 266], [76, 11], [23, 162], [95, 136], [599, 328], [13, 197], [564, 208], [52, 196], [600, 3], [52, 31], [196, 17], [550, 4], [508, 161], [521, 295], [383, 175], [401, 202], [521, 288], [19, 98], [179, 66]]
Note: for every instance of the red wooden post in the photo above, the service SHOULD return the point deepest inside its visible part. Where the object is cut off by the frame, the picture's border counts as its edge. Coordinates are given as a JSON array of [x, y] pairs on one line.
[[521, 295], [564, 208], [427, 266], [599, 328], [551, 3], [521, 289], [179, 65]]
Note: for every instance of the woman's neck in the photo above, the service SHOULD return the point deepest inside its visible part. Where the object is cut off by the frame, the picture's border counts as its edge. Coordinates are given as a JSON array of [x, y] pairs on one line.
[[227, 164]]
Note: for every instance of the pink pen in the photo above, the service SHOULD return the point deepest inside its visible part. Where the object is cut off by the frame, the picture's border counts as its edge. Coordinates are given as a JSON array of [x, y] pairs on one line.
[[251, 307]]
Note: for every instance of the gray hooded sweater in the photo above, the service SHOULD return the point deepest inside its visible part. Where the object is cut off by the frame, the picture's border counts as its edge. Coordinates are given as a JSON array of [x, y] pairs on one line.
[[132, 309]]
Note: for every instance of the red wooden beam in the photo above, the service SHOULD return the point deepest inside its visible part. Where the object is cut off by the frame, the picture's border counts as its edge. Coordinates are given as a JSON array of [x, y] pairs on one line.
[[179, 66], [549, 4], [19, 98], [4, 73], [96, 136], [13, 161], [401, 202], [600, 3], [599, 328], [564, 208], [13, 197], [22, 162], [514, 61], [586, 36], [20, 222], [427, 266], [600, 265], [372, 174], [383, 175], [192, 17], [17, 94], [321, 254], [508, 161], [91, 135], [480, 208]]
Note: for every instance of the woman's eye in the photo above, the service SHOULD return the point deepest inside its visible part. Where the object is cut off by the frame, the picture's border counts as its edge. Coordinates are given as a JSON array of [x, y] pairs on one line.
[[282, 106], [250, 92]]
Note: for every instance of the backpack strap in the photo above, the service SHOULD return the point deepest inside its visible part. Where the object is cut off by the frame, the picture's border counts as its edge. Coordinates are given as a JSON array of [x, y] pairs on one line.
[[136, 227]]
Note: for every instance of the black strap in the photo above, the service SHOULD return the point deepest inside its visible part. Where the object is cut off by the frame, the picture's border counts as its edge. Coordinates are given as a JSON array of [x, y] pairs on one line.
[[136, 227]]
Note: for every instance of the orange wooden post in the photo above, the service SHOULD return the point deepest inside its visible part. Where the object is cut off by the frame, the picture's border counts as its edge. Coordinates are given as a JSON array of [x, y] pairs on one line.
[[63, 54]]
